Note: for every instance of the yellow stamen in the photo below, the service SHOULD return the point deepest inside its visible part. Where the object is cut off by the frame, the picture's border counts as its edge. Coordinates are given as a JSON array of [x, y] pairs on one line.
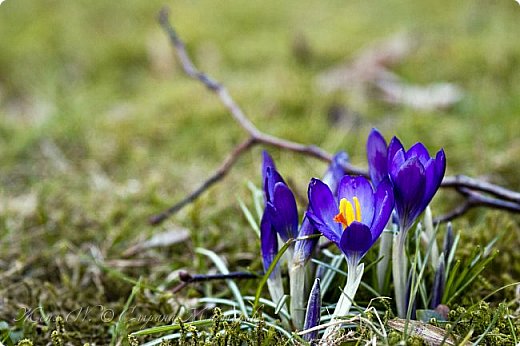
[[348, 213], [358, 209], [343, 206]]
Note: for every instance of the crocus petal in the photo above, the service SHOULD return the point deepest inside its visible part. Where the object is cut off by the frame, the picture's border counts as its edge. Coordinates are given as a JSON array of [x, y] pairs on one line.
[[304, 248], [440, 163], [335, 171], [430, 181], [397, 161], [384, 206], [272, 178], [356, 240], [267, 176], [409, 186], [440, 166], [377, 156], [420, 151], [323, 206], [394, 146], [268, 241], [361, 188], [267, 161], [284, 214], [332, 234], [435, 169]]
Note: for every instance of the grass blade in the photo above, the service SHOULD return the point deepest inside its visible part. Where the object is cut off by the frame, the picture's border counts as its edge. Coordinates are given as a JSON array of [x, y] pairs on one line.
[[249, 217], [221, 266]]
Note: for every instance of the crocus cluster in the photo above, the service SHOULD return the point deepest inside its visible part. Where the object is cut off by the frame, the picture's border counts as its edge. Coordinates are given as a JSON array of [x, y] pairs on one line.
[[352, 212]]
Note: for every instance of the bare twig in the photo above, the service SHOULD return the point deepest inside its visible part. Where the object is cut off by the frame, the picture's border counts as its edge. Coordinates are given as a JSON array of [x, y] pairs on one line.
[[458, 181], [477, 199], [189, 278], [218, 175], [474, 192]]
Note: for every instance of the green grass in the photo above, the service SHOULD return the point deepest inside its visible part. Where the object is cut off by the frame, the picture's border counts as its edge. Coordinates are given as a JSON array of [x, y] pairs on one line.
[[99, 129]]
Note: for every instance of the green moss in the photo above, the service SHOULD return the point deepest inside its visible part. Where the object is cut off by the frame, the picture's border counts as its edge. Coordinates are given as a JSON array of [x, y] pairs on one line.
[[25, 342], [492, 325]]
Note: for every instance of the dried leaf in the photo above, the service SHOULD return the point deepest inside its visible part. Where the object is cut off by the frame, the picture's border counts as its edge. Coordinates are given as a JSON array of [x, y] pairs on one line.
[[370, 65], [422, 97]]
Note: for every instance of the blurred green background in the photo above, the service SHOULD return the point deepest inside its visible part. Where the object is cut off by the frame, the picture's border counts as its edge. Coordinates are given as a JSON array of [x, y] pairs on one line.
[[100, 128]]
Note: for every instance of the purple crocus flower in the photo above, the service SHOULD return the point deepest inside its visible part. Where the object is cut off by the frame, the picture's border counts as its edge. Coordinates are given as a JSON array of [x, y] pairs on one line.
[[280, 204], [280, 213], [268, 237], [354, 219], [415, 175], [416, 178]]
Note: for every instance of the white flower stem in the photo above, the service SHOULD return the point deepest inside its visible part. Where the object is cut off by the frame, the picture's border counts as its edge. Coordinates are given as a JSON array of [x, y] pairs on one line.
[[275, 287], [400, 271], [385, 253], [354, 275], [298, 294]]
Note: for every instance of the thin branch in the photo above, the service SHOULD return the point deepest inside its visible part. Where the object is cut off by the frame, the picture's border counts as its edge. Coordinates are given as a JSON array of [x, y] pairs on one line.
[[477, 199], [189, 278], [211, 84], [219, 174], [455, 213], [458, 181], [471, 189]]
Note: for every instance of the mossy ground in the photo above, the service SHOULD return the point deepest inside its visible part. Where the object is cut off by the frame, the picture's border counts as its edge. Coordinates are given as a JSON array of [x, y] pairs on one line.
[[99, 129]]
